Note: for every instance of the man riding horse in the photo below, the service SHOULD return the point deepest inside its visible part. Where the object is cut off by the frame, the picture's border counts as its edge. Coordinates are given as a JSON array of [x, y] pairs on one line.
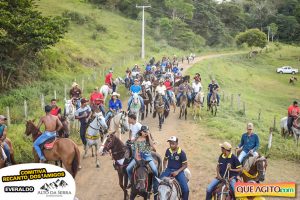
[[147, 84], [168, 84], [184, 88], [96, 100], [75, 94], [177, 163], [110, 81], [249, 143], [52, 125], [213, 87], [3, 144], [161, 90], [228, 167], [136, 88], [197, 87], [293, 113]]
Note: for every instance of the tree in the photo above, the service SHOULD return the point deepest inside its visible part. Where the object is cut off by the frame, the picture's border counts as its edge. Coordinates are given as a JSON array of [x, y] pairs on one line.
[[273, 30], [288, 28], [25, 32], [252, 37], [180, 8]]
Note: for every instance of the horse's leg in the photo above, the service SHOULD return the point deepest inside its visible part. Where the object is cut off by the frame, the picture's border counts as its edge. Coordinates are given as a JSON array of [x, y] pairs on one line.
[[86, 147], [92, 150], [185, 113], [96, 150]]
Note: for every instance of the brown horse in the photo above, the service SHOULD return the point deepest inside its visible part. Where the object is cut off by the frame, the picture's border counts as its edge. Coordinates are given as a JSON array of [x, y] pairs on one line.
[[147, 97], [293, 80], [159, 106], [11, 150], [63, 149], [257, 170], [119, 151], [212, 104], [183, 105]]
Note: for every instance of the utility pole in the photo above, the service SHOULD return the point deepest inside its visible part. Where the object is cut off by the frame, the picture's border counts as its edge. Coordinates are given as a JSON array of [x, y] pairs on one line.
[[143, 30], [268, 33]]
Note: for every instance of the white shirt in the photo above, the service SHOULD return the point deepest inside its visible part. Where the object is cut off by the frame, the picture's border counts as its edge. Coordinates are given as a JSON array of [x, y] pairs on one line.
[[161, 89], [134, 128], [196, 87], [147, 85]]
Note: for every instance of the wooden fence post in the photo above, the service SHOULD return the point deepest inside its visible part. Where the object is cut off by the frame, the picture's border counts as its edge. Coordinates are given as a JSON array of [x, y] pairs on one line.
[[274, 123], [25, 110], [65, 92], [238, 102], [244, 108], [259, 114], [42, 101], [55, 94], [231, 102], [8, 116]]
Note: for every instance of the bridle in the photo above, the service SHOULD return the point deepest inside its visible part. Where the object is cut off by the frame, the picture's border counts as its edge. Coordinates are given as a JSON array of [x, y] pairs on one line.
[[261, 168], [171, 186], [145, 179], [98, 120], [122, 122]]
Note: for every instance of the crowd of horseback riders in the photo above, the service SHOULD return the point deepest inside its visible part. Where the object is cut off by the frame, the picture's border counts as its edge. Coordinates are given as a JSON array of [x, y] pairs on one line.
[[136, 161]]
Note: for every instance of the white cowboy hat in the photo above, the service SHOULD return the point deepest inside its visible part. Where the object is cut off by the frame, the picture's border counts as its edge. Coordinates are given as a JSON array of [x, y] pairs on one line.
[[115, 94], [74, 84]]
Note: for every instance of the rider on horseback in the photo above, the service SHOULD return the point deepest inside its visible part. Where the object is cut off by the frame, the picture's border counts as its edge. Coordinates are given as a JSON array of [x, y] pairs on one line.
[[213, 87], [3, 133], [147, 84], [136, 88], [115, 106], [96, 100], [197, 87], [142, 147], [110, 81], [184, 87], [169, 88], [161, 89], [177, 163], [52, 125], [293, 113], [228, 166], [56, 111], [249, 143], [75, 94]]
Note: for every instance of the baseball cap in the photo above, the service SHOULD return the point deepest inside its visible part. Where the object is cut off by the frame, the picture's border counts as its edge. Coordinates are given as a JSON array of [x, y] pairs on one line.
[[250, 126], [3, 117], [226, 145], [145, 128], [172, 139], [83, 100]]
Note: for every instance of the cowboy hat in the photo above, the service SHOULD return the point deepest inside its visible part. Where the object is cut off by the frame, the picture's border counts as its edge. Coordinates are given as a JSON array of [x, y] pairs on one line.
[[226, 146], [74, 84], [115, 94]]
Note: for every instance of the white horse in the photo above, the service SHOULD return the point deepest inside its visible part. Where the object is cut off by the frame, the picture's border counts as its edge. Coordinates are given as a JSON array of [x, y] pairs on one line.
[[93, 135], [105, 90], [169, 188], [118, 81], [135, 106], [69, 113], [197, 105], [284, 127], [118, 125]]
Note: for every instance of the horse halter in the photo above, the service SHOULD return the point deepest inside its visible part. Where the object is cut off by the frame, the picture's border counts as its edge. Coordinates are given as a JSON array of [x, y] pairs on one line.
[[261, 168], [98, 120], [171, 186], [122, 122]]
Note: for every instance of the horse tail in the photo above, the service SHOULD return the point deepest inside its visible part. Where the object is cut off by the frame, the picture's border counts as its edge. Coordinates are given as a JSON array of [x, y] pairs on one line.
[[76, 161]]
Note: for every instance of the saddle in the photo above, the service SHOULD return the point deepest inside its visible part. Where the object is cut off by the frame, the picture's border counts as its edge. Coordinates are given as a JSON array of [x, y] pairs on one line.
[[49, 143]]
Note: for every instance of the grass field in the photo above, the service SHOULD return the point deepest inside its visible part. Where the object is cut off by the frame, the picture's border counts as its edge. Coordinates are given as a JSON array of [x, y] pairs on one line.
[[260, 88], [97, 40]]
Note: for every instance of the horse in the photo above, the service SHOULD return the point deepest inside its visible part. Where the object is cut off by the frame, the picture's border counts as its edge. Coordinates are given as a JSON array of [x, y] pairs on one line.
[[168, 189], [121, 155], [296, 130], [212, 105], [154, 83], [118, 81], [292, 80], [159, 106], [197, 105], [93, 135], [64, 132], [147, 97], [183, 105], [105, 90], [62, 149], [135, 106], [284, 128], [256, 170], [3, 156]]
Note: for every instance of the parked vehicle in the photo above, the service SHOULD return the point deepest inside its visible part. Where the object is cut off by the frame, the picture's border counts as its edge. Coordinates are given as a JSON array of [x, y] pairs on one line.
[[287, 70]]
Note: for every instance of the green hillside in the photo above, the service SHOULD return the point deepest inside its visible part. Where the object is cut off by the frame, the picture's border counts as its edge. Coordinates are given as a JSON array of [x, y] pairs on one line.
[[260, 88]]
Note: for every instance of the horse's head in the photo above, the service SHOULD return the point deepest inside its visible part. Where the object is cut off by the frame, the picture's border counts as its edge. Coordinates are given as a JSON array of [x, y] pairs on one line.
[[165, 188], [108, 144], [135, 98], [31, 128], [141, 173], [101, 120], [261, 166], [124, 122]]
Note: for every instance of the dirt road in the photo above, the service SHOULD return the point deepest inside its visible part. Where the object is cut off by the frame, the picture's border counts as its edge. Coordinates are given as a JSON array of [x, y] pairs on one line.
[[202, 151]]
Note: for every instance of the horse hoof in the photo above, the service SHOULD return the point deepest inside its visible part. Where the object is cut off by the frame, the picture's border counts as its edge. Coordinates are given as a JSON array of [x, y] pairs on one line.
[[97, 166]]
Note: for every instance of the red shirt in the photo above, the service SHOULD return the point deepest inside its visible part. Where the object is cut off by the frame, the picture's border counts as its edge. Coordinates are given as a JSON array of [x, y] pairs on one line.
[[108, 78], [293, 111], [55, 111], [168, 85], [96, 98]]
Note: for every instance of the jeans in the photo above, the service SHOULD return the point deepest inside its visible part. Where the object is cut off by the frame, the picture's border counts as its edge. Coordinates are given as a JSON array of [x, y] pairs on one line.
[[290, 121], [114, 86], [108, 115], [141, 100], [83, 127], [78, 103], [170, 95], [181, 180], [213, 185], [243, 154], [209, 96], [180, 94], [146, 157], [43, 138], [102, 109], [6, 151]]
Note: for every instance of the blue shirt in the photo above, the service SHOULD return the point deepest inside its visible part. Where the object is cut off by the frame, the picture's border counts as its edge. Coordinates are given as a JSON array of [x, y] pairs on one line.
[[249, 142], [175, 159], [2, 127], [212, 87], [148, 68], [175, 70], [135, 88], [224, 161], [115, 105]]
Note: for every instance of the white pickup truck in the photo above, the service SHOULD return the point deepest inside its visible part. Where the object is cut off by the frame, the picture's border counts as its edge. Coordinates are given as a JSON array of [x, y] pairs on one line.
[[287, 70]]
